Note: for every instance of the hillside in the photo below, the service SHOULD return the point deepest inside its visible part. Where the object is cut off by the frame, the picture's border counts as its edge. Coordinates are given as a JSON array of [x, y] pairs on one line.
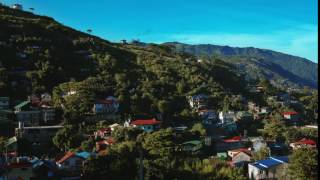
[[282, 69], [40, 55]]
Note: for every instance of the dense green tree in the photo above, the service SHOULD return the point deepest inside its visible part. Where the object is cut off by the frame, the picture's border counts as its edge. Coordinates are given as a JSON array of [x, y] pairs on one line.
[[304, 164], [198, 129], [274, 130], [261, 154], [126, 134], [67, 138], [120, 163]]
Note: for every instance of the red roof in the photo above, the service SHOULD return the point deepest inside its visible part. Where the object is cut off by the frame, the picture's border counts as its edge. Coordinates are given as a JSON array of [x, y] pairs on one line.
[[66, 157], [104, 101], [307, 142], [290, 113], [145, 122], [233, 139], [20, 165], [244, 150], [105, 129]]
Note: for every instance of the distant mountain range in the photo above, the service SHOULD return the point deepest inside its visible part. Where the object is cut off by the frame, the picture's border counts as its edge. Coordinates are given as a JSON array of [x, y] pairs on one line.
[[281, 69]]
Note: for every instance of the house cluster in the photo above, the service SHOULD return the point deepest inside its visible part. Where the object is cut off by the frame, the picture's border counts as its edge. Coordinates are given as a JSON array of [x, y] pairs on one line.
[[68, 165], [210, 117], [238, 154], [35, 111], [259, 112], [102, 109]]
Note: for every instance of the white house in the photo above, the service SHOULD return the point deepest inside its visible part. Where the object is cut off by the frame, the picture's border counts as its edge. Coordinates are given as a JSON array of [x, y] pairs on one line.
[[268, 168], [198, 102], [240, 156], [225, 117], [17, 6], [109, 105]]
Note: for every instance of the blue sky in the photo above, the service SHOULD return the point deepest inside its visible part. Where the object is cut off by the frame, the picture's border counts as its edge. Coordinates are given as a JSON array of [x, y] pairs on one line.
[[288, 26]]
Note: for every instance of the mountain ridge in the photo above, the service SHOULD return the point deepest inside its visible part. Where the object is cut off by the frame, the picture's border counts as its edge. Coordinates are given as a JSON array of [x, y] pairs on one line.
[[294, 65]]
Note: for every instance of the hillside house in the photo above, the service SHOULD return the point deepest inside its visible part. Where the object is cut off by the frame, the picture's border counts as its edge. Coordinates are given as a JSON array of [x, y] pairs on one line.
[[102, 133], [208, 117], [72, 161], [27, 114], [292, 118], [278, 148], [110, 105], [269, 168], [239, 157], [243, 116], [148, 125], [198, 102], [20, 167], [4, 103], [37, 134], [6, 116], [309, 143], [225, 117], [17, 6], [229, 144], [193, 147]]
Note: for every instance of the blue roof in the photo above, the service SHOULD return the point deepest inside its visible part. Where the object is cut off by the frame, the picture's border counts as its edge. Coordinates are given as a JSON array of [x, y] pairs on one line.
[[270, 162], [281, 158], [84, 154]]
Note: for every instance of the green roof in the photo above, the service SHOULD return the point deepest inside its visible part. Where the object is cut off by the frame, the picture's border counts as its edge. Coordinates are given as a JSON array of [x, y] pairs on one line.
[[244, 113], [22, 104], [194, 142], [11, 141]]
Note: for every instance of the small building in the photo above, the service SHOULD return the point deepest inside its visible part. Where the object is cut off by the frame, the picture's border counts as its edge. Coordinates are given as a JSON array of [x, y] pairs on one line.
[[208, 117], [148, 125], [278, 148], [110, 105], [6, 116], [265, 109], [20, 167], [268, 168], [239, 157], [72, 161], [17, 6], [4, 103], [48, 114], [309, 143], [193, 147], [102, 133], [114, 126], [290, 115], [198, 102], [225, 117], [37, 134], [229, 144], [222, 155], [26, 114], [244, 116], [292, 118]]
